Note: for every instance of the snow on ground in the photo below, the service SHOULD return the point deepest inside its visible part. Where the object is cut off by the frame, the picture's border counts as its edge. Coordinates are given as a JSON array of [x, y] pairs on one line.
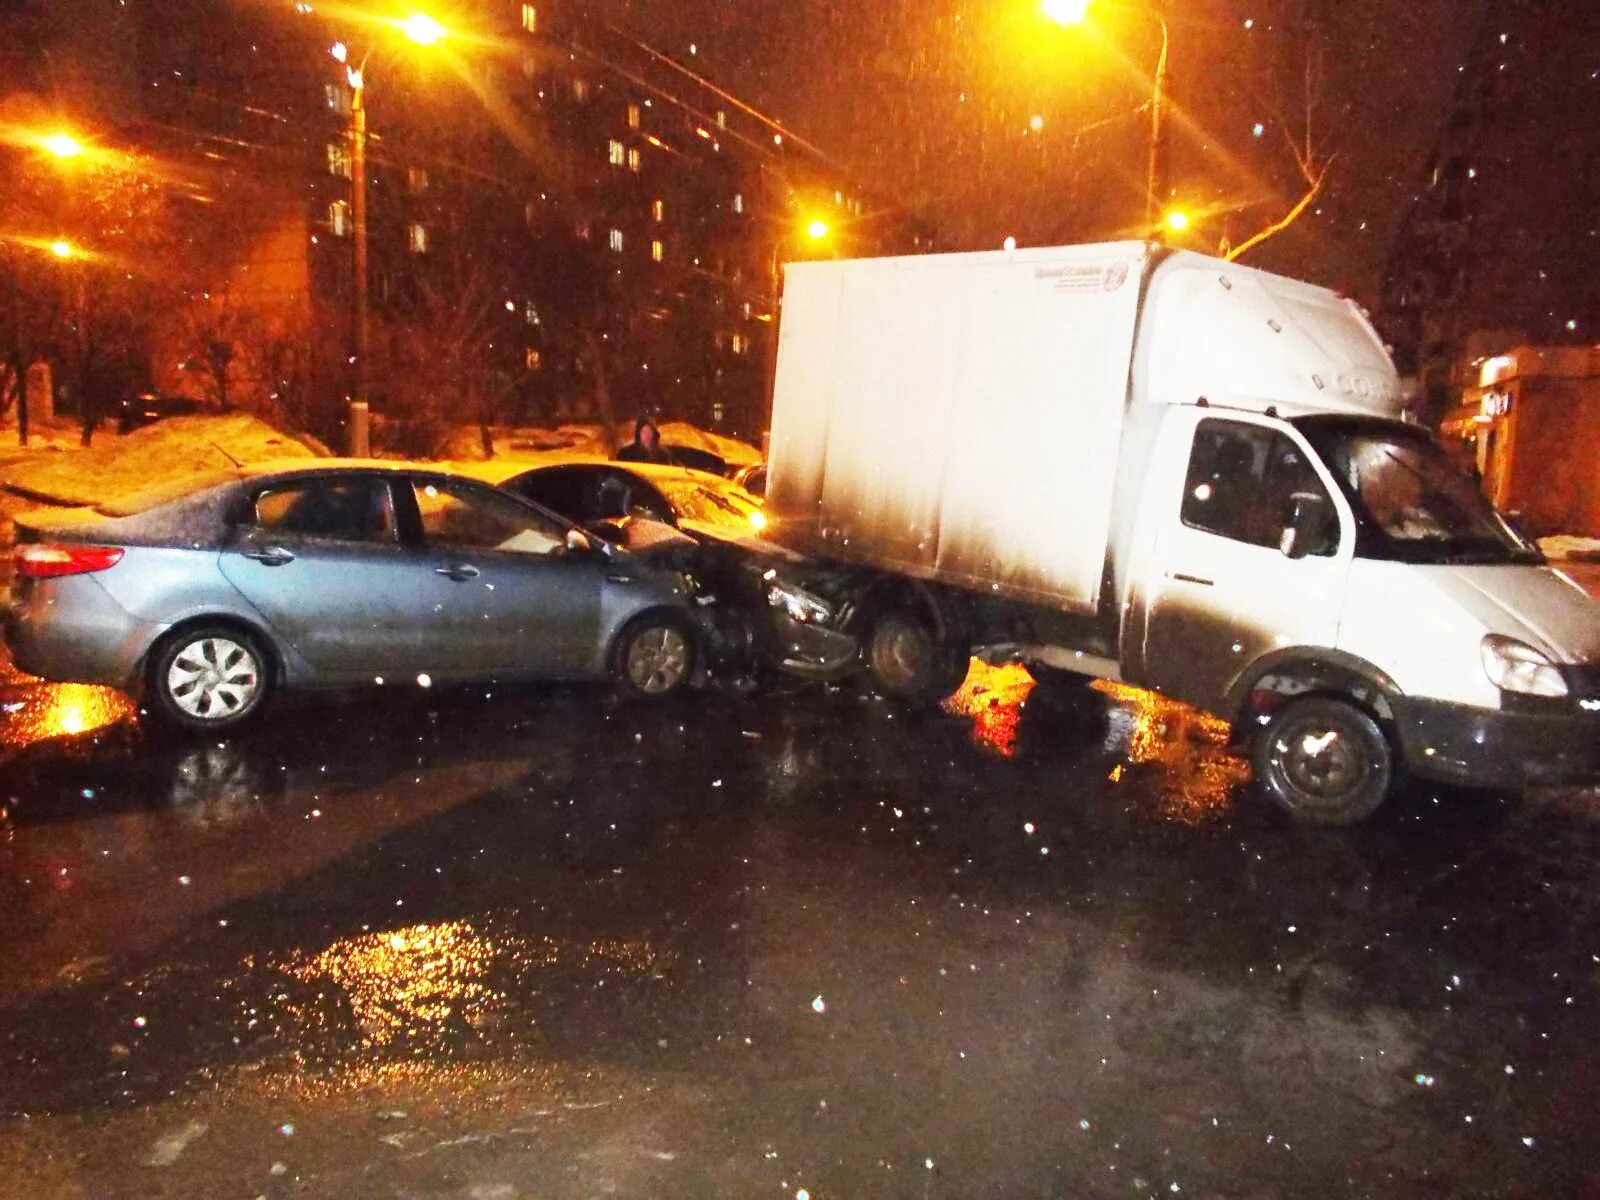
[[1571, 546], [157, 454]]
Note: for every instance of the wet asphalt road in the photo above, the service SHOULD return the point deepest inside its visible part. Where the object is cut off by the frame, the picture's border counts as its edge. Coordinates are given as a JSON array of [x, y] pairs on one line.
[[540, 944]]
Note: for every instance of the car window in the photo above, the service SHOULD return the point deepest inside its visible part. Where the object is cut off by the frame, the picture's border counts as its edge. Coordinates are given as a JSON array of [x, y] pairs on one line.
[[344, 510], [1243, 480], [624, 494], [455, 514], [559, 489]]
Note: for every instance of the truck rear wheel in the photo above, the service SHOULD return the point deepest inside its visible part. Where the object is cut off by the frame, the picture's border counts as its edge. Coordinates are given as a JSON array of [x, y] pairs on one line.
[[907, 662], [1324, 761]]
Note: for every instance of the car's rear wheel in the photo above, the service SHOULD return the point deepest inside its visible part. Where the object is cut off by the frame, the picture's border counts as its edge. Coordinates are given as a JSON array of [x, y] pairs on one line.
[[908, 662], [654, 657], [209, 677], [1324, 761]]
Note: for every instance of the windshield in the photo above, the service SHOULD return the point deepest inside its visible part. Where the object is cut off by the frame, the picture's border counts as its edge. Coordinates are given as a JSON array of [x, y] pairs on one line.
[[697, 502], [1412, 504]]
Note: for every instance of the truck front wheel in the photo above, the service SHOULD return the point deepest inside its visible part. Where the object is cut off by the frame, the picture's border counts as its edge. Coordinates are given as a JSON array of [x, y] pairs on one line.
[[1324, 761], [908, 662]]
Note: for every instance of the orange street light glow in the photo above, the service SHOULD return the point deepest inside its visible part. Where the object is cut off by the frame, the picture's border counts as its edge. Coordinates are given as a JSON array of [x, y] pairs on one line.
[[1066, 12], [422, 29], [817, 230], [62, 145], [1177, 220], [61, 248]]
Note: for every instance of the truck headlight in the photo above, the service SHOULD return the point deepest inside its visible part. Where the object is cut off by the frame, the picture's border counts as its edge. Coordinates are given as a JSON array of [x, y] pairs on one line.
[[1514, 666], [796, 604]]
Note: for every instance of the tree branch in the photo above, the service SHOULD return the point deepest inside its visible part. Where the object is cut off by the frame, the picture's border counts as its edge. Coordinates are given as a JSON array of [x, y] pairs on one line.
[[1288, 218]]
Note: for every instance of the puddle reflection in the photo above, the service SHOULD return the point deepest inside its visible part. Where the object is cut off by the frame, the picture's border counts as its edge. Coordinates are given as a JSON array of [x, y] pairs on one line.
[[53, 710], [1197, 774]]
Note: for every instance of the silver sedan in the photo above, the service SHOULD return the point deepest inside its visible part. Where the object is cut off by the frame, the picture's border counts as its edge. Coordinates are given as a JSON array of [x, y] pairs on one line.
[[208, 598]]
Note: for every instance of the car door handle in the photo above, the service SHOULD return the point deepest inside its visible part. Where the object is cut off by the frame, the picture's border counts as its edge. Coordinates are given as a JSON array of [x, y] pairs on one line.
[[271, 556], [1192, 579], [615, 578], [460, 572]]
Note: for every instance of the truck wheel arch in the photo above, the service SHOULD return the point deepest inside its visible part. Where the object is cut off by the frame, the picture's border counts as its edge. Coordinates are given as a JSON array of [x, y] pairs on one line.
[[1294, 672]]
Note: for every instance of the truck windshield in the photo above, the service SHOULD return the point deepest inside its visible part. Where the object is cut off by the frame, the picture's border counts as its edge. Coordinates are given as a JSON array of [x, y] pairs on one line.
[[1412, 504]]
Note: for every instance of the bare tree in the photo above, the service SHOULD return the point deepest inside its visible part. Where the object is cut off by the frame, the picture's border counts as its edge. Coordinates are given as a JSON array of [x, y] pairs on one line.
[[1308, 144]]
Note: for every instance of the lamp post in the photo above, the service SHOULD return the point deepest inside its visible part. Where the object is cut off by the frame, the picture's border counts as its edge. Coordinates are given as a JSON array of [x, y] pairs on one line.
[[1075, 12], [424, 31]]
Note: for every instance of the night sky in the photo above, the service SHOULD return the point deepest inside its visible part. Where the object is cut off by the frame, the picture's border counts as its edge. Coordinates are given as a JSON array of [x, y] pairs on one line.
[[932, 103]]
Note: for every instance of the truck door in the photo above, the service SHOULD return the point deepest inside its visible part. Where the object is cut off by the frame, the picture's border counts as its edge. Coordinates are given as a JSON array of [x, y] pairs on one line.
[[1252, 557]]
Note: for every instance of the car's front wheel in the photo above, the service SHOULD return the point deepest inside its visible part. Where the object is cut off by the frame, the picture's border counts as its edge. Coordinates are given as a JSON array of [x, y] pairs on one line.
[[654, 656], [209, 677], [1323, 760]]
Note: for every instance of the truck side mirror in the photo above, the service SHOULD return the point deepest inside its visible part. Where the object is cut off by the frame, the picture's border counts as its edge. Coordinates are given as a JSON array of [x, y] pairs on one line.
[[1312, 528]]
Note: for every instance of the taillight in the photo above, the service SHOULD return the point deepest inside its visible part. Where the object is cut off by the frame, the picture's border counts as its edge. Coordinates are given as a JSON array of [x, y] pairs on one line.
[[51, 560]]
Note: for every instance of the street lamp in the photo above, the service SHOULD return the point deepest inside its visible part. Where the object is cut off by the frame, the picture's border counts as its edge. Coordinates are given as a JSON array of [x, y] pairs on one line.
[[424, 31], [62, 145], [1076, 12], [62, 248]]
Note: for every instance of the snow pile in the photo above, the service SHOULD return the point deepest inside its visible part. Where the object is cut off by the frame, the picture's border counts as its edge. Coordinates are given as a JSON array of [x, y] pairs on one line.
[[165, 452], [533, 441]]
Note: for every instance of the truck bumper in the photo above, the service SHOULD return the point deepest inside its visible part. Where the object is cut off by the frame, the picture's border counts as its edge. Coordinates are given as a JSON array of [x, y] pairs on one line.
[[1505, 748]]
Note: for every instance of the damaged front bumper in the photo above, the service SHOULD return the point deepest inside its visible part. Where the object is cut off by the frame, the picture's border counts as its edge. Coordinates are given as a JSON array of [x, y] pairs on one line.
[[1524, 745]]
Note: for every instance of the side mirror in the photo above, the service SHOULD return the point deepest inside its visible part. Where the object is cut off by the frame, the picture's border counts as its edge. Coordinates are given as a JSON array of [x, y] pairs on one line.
[[1313, 526], [578, 542]]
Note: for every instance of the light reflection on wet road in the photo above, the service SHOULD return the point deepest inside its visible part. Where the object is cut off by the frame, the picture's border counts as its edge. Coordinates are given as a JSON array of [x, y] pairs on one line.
[[539, 943]]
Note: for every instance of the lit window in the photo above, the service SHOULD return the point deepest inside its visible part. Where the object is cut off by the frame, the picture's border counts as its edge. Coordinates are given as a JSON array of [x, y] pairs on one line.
[[339, 218], [616, 240], [658, 250], [658, 211], [530, 313], [634, 158], [634, 115], [616, 153], [739, 343], [580, 90], [532, 359], [722, 119], [338, 97], [738, 202], [417, 237], [530, 18], [746, 310], [417, 179], [339, 160]]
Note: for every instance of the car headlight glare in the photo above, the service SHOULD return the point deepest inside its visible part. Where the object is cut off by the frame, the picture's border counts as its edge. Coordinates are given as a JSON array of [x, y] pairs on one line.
[[1514, 666]]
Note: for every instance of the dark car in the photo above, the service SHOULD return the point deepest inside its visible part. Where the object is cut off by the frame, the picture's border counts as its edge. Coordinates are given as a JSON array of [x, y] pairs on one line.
[[592, 492], [756, 592], [135, 412], [209, 597]]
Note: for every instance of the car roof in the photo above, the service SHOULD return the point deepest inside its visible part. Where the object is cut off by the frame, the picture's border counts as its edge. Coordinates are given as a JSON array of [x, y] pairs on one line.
[[132, 503]]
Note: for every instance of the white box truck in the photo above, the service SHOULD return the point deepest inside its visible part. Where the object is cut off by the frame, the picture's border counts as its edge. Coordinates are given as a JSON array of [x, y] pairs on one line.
[[1154, 466]]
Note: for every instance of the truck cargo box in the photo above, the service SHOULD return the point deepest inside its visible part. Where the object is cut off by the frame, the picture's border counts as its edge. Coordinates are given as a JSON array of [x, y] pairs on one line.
[[957, 416]]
